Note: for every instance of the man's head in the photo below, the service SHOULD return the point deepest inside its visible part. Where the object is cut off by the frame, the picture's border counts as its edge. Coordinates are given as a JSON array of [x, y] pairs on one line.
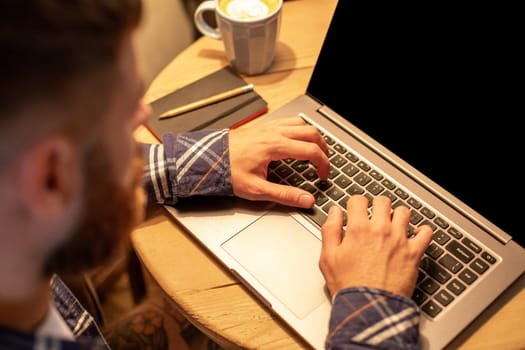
[[70, 170]]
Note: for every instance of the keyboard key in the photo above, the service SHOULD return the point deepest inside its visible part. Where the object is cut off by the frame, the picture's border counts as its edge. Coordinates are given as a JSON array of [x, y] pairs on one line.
[[444, 297], [455, 233], [460, 251], [301, 165], [420, 276], [441, 237], [310, 174], [355, 189], [489, 258], [456, 287], [362, 179], [308, 187], [343, 181], [333, 173], [323, 185], [320, 198], [365, 167], [390, 196], [479, 266], [441, 222], [274, 164], [339, 148], [342, 203], [434, 270], [414, 203], [415, 217], [352, 157], [473, 246], [283, 171], [376, 175], [316, 214], [434, 251], [329, 141], [450, 263], [467, 276], [374, 188], [427, 222], [419, 297], [400, 193], [388, 184], [294, 180], [428, 213], [335, 193], [338, 161], [350, 170], [399, 203], [429, 286], [272, 177], [431, 308]]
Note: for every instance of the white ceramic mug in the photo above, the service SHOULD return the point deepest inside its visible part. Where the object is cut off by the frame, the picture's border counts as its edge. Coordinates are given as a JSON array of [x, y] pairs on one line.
[[248, 28]]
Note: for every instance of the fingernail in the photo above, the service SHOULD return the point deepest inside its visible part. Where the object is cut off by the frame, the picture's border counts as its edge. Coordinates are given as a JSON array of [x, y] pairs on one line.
[[305, 201]]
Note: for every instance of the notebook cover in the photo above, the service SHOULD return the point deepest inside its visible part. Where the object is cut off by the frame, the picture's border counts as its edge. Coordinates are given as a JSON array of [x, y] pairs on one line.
[[229, 113]]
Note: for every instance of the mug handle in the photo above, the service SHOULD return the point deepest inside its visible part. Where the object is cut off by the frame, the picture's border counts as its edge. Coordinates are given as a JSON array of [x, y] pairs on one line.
[[203, 26]]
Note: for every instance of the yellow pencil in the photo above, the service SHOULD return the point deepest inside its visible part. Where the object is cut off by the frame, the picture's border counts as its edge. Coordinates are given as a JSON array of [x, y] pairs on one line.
[[206, 101]]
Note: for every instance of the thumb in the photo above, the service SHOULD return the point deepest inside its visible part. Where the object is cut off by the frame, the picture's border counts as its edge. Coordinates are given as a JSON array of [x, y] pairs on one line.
[[288, 195]]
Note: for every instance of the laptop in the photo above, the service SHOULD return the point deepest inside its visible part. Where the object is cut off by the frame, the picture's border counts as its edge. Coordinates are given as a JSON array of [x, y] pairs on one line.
[[416, 101]]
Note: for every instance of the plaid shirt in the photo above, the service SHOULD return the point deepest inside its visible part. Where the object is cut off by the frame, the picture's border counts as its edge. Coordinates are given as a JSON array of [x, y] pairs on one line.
[[188, 164], [198, 164], [370, 318], [84, 328]]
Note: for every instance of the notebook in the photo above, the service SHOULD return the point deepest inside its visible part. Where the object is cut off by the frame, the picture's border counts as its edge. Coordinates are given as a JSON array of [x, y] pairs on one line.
[[416, 101], [229, 113]]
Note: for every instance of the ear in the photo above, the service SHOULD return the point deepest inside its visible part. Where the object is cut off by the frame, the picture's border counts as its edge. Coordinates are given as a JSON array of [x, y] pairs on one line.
[[49, 176]]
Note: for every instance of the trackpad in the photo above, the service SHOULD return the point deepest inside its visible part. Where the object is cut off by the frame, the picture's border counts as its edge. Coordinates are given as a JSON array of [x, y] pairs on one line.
[[284, 257]]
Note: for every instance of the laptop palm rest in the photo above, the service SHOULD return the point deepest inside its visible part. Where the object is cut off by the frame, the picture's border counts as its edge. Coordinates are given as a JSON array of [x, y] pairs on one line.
[[281, 254]]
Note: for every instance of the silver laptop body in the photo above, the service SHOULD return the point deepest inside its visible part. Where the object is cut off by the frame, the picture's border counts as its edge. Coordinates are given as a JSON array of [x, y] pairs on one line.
[[474, 258]]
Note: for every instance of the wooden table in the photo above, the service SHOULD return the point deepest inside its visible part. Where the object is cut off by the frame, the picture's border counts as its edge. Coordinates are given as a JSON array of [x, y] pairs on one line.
[[205, 292]]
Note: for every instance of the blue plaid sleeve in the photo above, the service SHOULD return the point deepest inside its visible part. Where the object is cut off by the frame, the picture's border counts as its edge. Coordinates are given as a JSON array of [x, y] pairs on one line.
[[369, 318], [188, 164]]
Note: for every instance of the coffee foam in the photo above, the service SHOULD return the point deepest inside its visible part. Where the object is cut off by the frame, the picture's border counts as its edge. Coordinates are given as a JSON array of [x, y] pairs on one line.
[[247, 9]]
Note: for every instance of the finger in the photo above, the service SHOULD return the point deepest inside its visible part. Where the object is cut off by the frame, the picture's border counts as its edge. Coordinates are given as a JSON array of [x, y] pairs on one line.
[[285, 194], [421, 239], [306, 133], [401, 220], [294, 120], [331, 233], [332, 229], [357, 211], [304, 151], [381, 210]]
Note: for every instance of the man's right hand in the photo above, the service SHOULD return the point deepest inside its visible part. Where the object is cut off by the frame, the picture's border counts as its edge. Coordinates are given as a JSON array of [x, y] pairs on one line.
[[253, 147], [373, 252]]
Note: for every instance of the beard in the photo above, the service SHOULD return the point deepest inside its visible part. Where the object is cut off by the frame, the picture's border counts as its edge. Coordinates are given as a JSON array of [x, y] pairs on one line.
[[109, 214]]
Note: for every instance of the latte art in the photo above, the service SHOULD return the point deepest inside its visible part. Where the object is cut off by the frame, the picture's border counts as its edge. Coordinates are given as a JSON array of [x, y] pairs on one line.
[[247, 9], [249, 30]]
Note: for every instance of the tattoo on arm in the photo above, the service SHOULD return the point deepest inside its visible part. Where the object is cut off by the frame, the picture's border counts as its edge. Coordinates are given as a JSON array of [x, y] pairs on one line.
[[154, 324]]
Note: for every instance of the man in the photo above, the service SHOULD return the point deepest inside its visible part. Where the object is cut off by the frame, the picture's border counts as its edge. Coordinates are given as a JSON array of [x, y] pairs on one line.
[[72, 189]]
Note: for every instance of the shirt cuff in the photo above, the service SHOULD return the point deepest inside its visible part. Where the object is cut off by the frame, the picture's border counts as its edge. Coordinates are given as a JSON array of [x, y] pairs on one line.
[[188, 164], [371, 317]]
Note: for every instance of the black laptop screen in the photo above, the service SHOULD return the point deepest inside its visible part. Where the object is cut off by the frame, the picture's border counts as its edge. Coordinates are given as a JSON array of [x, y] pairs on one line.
[[438, 86]]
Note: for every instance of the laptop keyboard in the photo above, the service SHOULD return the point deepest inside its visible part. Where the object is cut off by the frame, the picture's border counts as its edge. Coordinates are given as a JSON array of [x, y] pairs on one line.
[[451, 263]]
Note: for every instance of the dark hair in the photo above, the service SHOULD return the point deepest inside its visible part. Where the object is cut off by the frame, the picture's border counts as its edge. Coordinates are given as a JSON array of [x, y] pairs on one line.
[[46, 46]]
